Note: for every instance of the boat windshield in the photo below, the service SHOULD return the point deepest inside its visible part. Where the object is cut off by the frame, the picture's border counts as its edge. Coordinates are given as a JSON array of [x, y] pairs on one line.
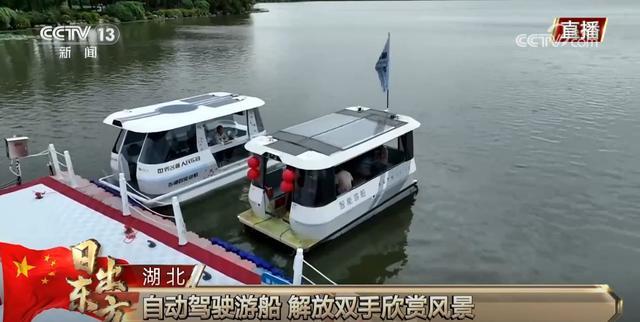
[[165, 146], [314, 188], [118, 143]]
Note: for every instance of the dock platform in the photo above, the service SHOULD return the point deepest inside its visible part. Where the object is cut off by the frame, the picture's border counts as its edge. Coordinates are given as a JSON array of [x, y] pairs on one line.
[[66, 215], [277, 229]]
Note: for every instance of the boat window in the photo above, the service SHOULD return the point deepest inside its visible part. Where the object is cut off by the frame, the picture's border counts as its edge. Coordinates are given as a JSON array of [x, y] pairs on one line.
[[373, 163], [258, 120], [226, 128], [406, 145], [161, 147], [272, 174], [132, 145], [118, 143], [314, 188]]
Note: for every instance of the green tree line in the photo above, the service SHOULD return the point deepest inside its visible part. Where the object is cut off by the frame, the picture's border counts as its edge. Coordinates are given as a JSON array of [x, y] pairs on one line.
[[19, 14], [40, 5]]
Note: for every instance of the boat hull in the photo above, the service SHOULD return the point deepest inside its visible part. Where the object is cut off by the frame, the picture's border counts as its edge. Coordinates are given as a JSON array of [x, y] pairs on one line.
[[409, 191], [319, 223], [280, 230], [233, 173]]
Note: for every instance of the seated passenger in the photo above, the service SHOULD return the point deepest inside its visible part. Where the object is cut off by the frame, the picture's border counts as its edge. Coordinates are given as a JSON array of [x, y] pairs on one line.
[[221, 136], [344, 180], [225, 155], [380, 160], [363, 168], [373, 163], [211, 135]]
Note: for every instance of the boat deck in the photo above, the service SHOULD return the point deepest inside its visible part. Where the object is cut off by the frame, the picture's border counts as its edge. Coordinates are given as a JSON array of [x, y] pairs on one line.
[[277, 229], [66, 216]]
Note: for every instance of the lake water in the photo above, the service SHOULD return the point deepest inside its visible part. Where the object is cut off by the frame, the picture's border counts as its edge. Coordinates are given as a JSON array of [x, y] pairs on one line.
[[528, 158]]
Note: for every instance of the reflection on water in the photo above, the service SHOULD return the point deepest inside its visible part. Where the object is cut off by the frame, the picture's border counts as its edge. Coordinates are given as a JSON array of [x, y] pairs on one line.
[[527, 157]]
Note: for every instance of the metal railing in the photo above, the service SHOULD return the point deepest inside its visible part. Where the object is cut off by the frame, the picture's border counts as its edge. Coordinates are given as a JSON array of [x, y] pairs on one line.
[[177, 212], [298, 268], [141, 209], [68, 165], [124, 186]]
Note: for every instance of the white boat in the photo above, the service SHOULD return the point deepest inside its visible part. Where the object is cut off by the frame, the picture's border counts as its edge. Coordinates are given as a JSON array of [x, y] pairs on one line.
[[301, 202], [183, 148]]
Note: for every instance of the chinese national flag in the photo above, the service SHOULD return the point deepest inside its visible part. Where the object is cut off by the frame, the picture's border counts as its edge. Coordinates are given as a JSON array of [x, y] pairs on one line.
[[36, 280]]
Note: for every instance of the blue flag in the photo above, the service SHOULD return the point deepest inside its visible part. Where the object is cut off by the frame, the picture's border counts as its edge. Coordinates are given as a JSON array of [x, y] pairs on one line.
[[382, 66]]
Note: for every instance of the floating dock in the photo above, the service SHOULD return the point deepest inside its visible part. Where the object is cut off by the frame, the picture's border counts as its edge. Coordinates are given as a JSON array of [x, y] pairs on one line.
[[65, 215], [277, 229]]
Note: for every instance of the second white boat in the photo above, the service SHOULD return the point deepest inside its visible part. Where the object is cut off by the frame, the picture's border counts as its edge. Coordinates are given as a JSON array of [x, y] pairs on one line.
[[183, 148], [334, 172]]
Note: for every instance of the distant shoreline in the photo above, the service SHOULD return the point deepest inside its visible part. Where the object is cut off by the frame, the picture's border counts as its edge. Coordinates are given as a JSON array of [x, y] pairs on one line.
[[24, 16]]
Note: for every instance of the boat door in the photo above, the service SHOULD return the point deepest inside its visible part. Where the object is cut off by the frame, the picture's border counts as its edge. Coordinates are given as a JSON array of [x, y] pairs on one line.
[[255, 128], [126, 158]]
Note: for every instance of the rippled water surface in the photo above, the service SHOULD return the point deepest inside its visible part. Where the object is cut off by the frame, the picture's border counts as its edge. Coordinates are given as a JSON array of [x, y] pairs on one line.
[[528, 158]]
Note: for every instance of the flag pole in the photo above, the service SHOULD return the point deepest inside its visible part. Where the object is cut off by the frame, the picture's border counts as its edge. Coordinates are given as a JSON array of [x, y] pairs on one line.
[[382, 67], [387, 110], [388, 69]]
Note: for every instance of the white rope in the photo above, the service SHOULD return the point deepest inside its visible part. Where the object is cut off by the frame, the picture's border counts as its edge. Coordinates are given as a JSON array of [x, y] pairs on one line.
[[161, 222], [11, 170], [140, 204], [58, 153], [319, 272], [308, 280], [143, 195], [45, 152], [136, 191], [154, 212]]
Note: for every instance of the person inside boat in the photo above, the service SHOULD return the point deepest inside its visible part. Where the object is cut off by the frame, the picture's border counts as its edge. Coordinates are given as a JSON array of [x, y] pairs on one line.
[[373, 163], [221, 136], [381, 159], [344, 181]]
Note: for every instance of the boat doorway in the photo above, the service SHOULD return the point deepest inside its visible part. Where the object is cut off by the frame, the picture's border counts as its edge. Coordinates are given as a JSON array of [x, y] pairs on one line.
[[127, 150]]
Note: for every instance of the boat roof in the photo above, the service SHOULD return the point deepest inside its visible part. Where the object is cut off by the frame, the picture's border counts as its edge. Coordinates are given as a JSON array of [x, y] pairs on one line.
[[333, 139], [182, 112]]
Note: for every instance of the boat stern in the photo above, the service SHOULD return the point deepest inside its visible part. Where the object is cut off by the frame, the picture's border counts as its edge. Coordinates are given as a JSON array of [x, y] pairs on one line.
[[277, 229]]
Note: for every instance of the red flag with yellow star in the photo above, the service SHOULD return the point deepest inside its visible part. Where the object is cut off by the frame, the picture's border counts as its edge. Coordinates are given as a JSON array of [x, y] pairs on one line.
[[37, 280]]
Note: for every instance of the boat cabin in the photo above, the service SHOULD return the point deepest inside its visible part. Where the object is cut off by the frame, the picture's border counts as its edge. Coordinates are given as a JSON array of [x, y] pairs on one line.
[[184, 147], [313, 181]]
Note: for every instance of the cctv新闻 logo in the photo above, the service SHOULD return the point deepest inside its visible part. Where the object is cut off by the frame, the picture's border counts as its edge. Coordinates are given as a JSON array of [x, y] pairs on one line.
[[105, 34]]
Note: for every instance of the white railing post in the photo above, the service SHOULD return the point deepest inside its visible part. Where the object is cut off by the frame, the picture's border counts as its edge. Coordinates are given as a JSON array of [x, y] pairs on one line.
[[297, 267], [177, 215], [123, 195], [54, 159], [70, 172]]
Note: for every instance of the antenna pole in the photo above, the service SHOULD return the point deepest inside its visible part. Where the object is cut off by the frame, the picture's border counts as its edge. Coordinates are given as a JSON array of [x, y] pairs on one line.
[[388, 67], [387, 99]]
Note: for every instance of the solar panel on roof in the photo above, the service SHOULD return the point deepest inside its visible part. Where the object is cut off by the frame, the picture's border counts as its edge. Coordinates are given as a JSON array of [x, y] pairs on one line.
[[210, 100], [302, 142], [348, 135], [197, 98], [288, 147], [167, 109], [321, 124], [334, 132]]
